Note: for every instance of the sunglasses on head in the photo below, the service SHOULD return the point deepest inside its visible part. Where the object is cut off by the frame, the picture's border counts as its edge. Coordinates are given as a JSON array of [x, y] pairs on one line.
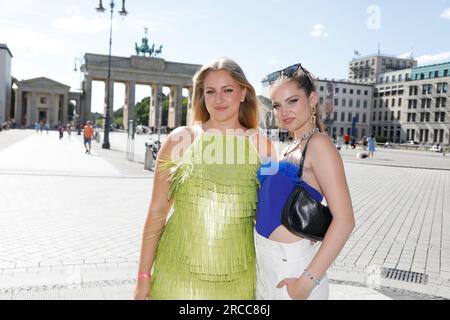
[[288, 72]]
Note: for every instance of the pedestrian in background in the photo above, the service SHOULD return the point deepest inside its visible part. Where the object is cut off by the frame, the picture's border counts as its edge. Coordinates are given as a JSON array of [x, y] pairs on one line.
[[371, 144], [61, 131], [88, 134]]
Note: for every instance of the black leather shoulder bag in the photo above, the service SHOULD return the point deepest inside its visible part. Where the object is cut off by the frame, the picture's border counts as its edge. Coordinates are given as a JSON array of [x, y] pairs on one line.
[[302, 214]]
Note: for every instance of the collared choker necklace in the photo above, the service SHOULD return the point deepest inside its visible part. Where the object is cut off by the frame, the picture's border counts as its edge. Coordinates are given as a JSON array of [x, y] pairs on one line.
[[296, 142]]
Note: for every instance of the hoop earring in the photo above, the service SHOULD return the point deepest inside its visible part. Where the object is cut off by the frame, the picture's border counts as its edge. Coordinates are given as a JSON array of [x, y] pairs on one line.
[[313, 115]]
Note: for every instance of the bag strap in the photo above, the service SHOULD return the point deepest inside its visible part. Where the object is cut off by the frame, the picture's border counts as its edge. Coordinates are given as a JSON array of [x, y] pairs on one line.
[[302, 161]]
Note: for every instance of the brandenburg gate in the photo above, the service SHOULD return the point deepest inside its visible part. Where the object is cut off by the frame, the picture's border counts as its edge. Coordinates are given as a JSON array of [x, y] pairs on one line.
[[140, 70]]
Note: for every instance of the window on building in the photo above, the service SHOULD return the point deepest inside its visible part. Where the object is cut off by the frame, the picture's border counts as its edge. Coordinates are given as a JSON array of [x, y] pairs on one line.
[[351, 91], [399, 102], [446, 73], [321, 100], [336, 102], [386, 113], [439, 88], [386, 103], [374, 118], [344, 102], [443, 102], [424, 89], [437, 115], [349, 119], [375, 103], [350, 103], [364, 118], [400, 78], [392, 115], [381, 79], [422, 117], [336, 90], [393, 103], [428, 103], [366, 92], [358, 92], [344, 90], [423, 103], [430, 89], [387, 79], [321, 88], [358, 103], [335, 116], [393, 78], [365, 104], [444, 87], [414, 104], [422, 76], [342, 116], [436, 74], [380, 116], [43, 100], [438, 102], [414, 117], [399, 114]]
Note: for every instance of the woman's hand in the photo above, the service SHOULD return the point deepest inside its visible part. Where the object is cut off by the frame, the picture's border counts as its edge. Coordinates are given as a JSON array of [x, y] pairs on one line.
[[298, 288], [142, 290]]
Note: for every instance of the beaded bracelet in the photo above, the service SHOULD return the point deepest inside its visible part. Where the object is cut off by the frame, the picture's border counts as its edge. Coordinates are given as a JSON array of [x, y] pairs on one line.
[[311, 277]]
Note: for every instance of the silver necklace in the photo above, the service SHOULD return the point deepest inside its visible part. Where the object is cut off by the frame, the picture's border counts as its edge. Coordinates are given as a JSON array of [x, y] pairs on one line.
[[296, 142]]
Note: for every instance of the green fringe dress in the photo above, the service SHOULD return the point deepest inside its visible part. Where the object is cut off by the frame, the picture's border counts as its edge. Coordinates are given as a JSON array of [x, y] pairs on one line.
[[206, 251]]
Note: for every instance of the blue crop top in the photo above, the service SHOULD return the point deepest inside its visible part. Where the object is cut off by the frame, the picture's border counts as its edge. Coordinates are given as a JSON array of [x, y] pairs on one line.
[[273, 194]]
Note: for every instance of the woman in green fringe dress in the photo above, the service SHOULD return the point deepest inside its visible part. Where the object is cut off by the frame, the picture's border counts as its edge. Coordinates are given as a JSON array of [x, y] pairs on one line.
[[204, 249]]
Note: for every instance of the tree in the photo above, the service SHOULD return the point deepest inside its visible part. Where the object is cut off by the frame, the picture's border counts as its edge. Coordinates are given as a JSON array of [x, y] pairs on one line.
[[141, 111]]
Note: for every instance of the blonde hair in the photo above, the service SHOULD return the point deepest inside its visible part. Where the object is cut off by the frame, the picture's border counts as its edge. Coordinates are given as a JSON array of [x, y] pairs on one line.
[[305, 80], [248, 108]]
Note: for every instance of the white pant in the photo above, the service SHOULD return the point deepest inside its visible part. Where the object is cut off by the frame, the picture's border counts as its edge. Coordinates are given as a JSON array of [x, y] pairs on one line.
[[277, 261]]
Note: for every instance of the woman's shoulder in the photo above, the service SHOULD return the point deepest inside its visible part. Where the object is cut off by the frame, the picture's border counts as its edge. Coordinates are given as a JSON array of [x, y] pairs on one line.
[[321, 144], [178, 141]]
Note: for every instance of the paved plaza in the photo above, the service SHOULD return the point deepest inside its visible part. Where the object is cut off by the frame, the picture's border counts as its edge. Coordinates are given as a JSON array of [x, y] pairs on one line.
[[71, 223]]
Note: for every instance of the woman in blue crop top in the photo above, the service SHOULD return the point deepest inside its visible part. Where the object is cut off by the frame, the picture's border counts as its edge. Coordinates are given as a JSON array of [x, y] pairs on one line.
[[289, 267]]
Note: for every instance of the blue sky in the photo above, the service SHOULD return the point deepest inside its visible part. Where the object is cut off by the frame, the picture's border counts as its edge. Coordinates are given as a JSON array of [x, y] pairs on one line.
[[262, 36]]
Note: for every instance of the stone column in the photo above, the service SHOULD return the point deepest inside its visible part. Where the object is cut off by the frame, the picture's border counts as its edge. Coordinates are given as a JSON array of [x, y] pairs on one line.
[[178, 105], [32, 112], [130, 96], [155, 106], [18, 116], [51, 110], [85, 113], [65, 108], [190, 113], [111, 97]]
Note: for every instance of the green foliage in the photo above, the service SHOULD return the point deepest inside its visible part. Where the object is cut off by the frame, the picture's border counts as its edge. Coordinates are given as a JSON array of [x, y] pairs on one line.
[[142, 110], [380, 139], [118, 121]]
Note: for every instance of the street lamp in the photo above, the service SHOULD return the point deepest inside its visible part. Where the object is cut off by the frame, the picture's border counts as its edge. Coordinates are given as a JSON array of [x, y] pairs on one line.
[[122, 12]]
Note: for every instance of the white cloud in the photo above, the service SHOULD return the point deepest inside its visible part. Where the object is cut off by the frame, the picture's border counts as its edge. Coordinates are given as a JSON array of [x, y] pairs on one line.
[[446, 14], [27, 42], [406, 55], [319, 31], [433, 58]]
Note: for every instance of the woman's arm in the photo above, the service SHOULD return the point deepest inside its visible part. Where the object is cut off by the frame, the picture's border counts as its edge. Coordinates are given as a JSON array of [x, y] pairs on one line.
[[329, 171], [160, 205]]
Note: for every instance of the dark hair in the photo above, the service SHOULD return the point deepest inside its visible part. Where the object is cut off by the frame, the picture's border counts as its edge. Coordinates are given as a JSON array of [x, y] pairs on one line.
[[305, 81]]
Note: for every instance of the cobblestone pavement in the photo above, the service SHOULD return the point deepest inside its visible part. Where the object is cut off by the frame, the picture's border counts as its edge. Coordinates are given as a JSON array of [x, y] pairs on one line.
[[70, 223]]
